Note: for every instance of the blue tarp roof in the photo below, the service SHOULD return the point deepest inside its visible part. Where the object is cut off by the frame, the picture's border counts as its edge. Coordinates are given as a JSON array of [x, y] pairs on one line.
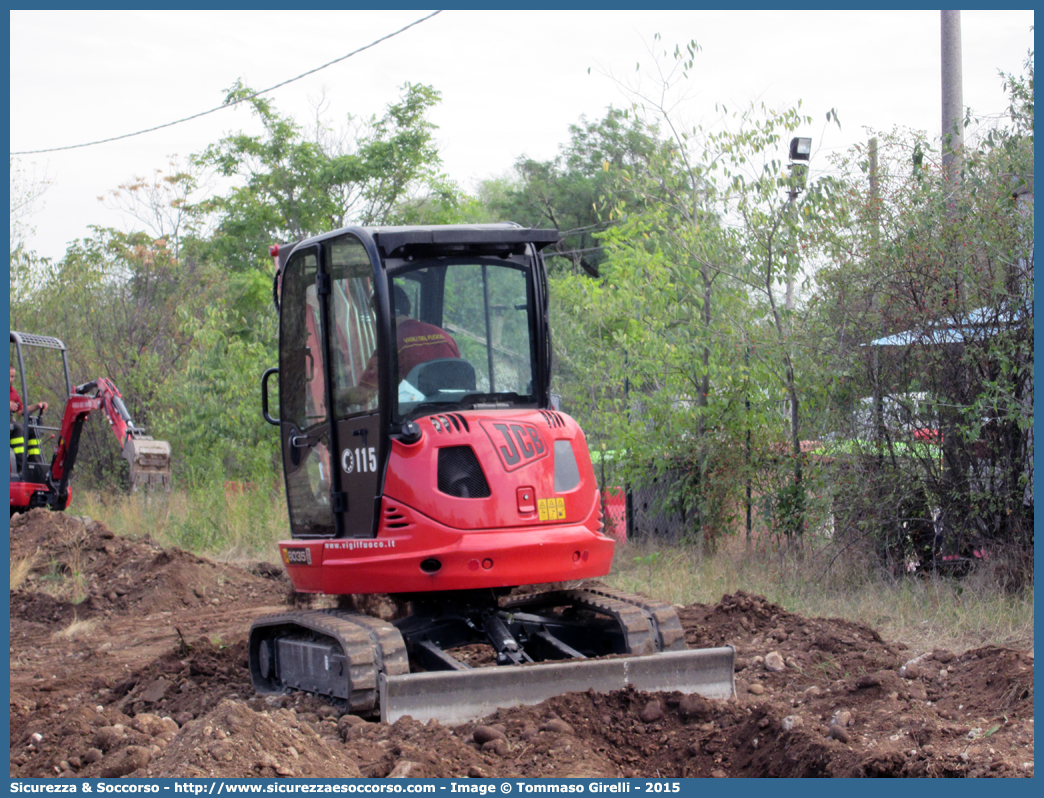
[[980, 322]]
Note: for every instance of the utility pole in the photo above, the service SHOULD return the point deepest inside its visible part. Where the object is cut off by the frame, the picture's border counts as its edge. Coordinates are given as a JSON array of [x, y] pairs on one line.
[[875, 192], [800, 153], [792, 213], [952, 97], [875, 231], [955, 457], [952, 115]]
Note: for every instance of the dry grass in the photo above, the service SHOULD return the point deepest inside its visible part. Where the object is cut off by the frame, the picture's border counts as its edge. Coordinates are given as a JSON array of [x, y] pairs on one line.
[[223, 524], [76, 630], [76, 586], [20, 570], [63, 577], [923, 613]]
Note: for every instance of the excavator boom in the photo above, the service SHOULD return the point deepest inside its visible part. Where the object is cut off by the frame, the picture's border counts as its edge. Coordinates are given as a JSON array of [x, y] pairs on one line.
[[149, 459]]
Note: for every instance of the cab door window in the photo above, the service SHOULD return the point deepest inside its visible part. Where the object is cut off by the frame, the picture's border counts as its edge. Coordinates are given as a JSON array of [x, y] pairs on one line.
[[356, 370], [305, 426], [463, 328], [354, 343]]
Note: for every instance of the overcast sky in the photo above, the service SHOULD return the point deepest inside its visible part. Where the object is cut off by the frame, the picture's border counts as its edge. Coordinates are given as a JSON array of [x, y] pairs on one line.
[[511, 82]]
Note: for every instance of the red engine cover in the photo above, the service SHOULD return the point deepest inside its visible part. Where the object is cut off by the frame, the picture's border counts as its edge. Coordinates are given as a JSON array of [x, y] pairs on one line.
[[524, 532]]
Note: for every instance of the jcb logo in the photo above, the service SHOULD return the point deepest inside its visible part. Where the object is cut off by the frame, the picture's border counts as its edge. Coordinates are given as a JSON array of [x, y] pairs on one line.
[[517, 444]]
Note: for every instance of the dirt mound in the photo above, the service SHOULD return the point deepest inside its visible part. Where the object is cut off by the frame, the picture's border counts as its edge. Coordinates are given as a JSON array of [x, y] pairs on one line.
[[44, 609], [987, 680], [76, 559], [145, 673], [235, 741], [186, 682]]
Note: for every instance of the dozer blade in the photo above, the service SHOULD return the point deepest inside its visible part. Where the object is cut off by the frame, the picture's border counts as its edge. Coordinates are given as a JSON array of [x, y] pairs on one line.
[[149, 462], [453, 697]]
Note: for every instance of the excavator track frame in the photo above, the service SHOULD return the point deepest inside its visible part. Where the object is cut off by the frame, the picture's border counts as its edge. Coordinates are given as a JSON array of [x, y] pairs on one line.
[[363, 662], [353, 649]]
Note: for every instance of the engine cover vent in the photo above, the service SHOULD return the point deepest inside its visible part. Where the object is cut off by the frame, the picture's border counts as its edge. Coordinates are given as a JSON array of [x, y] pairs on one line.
[[395, 519], [460, 474], [449, 423], [552, 418]]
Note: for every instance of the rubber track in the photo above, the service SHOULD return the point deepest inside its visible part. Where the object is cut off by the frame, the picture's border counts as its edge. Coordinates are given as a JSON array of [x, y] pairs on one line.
[[632, 620], [662, 617], [388, 644], [369, 644]]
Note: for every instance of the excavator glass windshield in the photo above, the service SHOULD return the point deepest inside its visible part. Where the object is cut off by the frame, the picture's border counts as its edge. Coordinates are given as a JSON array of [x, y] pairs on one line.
[[464, 335]]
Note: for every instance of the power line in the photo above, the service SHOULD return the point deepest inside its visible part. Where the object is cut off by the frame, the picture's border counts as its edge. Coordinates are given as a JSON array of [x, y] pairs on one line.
[[569, 252], [585, 228], [236, 102]]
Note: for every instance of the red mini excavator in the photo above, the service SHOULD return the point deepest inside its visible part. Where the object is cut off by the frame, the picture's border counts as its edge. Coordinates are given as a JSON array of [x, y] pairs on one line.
[[423, 459], [34, 482]]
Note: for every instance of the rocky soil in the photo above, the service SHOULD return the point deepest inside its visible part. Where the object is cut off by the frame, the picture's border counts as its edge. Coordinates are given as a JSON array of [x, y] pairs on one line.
[[147, 677]]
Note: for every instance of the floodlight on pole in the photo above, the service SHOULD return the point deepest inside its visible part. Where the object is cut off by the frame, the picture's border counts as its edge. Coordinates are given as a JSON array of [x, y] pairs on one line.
[[800, 148], [800, 152]]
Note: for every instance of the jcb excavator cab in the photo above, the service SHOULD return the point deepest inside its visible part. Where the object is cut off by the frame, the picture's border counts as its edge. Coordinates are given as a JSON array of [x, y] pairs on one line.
[[31, 437], [426, 350], [423, 459]]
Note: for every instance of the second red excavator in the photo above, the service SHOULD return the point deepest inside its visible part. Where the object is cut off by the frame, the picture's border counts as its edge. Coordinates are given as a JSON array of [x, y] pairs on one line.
[[36, 482]]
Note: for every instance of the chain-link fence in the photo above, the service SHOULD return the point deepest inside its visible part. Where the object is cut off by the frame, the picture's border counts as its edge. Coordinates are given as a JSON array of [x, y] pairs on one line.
[[642, 513]]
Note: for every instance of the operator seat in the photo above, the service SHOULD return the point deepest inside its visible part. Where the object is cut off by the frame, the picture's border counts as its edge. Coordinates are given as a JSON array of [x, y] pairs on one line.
[[38, 467], [442, 374]]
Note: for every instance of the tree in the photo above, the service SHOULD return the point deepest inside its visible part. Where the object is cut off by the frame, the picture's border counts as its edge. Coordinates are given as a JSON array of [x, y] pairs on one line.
[[163, 203], [118, 301], [664, 319], [26, 191], [211, 412], [771, 232], [289, 187], [178, 312], [706, 238], [289, 183], [931, 294], [569, 192]]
